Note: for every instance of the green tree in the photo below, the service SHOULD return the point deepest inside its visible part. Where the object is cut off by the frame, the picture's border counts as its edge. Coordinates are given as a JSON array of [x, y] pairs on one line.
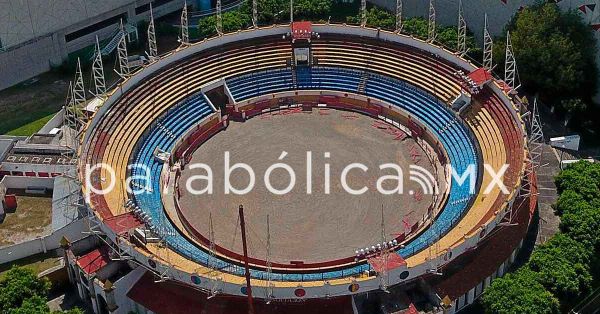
[[581, 177], [22, 292], [312, 9], [376, 17], [33, 305], [273, 11], [582, 223], [569, 200], [19, 285], [555, 54], [562, 265], [232, 21], [416, 26], [519, 292]]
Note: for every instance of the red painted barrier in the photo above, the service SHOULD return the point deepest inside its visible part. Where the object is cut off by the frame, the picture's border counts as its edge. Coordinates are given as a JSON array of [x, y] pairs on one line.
[[10, 202]]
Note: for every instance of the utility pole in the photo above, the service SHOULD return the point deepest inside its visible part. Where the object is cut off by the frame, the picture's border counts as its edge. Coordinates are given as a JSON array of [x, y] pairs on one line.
[[247, 268]]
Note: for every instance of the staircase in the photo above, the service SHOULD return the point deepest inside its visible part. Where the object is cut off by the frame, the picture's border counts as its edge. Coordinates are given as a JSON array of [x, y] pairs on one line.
[[112, 44], [363, 82], [365, 76], [294, 77]]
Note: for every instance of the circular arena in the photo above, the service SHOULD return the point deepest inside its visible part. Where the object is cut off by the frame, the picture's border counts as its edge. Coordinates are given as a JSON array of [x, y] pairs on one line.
[[348, 94]]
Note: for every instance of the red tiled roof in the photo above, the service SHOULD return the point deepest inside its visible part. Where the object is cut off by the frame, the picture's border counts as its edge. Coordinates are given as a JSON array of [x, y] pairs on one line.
[[93, 261], [480, 76], [174, 297], [394, 260], [301, 30], [123, 223]]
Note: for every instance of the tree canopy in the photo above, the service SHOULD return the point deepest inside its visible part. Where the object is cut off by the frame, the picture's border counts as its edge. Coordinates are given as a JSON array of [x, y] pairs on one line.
[[582, 178], [563, 266], [555, 53], [519, 292], [277, 11], [22, 292], [415, 26]]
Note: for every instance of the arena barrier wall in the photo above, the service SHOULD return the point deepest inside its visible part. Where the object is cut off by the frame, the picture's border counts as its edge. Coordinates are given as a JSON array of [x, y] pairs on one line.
[[283, 290]]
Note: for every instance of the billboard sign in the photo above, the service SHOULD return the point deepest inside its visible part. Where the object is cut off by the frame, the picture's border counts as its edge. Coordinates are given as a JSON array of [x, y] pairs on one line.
[[570, 142]]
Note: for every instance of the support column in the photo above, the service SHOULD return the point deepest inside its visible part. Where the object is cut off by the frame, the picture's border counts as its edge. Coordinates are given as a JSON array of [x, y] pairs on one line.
[[109, 292]]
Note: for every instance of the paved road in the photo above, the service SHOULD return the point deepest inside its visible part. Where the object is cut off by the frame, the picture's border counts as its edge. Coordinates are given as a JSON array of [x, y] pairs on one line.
[[591, 305], [549, 222]]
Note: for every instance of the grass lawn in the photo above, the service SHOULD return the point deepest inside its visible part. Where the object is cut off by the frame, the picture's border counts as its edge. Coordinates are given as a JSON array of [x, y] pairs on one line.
[[24, 107], [32, 127], [38, 263]]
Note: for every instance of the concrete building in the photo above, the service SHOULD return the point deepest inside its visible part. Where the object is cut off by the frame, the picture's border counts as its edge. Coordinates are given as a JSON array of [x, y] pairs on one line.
[[38, 34]]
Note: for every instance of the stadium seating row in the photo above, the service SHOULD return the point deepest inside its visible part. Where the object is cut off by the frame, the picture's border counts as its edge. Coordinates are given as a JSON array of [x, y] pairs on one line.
[[341, 67]]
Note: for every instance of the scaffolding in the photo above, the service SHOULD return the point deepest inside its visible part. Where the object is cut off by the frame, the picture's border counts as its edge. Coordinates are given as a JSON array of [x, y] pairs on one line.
[[255, 13], [461, 47], [488, 44], [184, 38], [535, 142], [219, 18], [122, 54], [291, 12], [431, 25], [510, 70], [269, 291], [98, 71], [398, 16], [363, 13], [73, 116], [152, 48]]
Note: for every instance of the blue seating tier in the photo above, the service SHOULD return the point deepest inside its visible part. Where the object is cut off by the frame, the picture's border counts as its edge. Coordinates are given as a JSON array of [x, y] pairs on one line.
[[435, 116]]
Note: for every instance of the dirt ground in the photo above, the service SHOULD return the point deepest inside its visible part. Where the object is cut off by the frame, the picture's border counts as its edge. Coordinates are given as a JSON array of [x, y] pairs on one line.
[[310, 228], [31, 219]]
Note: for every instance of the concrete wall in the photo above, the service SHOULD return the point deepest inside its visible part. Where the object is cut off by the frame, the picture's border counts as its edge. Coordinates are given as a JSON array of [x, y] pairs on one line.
[[73, 232], [5, 145], [36, 168], [26, 61], [55, 122], [15, 182]]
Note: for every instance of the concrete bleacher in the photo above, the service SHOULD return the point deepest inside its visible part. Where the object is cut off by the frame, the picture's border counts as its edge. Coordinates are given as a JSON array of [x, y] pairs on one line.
[[396, 75], [413, 101], [128, 121], [409, 98]]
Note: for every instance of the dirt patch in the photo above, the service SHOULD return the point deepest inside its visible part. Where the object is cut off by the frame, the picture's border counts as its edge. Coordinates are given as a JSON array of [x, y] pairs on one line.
[[31, 219], [305, 227]]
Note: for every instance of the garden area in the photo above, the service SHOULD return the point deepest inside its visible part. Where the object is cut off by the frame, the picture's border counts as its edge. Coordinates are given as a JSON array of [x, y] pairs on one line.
[[22, 292], [561, 272]]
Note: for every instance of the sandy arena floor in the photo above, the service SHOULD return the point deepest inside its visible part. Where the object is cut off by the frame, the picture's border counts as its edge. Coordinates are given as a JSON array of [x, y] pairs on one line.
[[309, 228]]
